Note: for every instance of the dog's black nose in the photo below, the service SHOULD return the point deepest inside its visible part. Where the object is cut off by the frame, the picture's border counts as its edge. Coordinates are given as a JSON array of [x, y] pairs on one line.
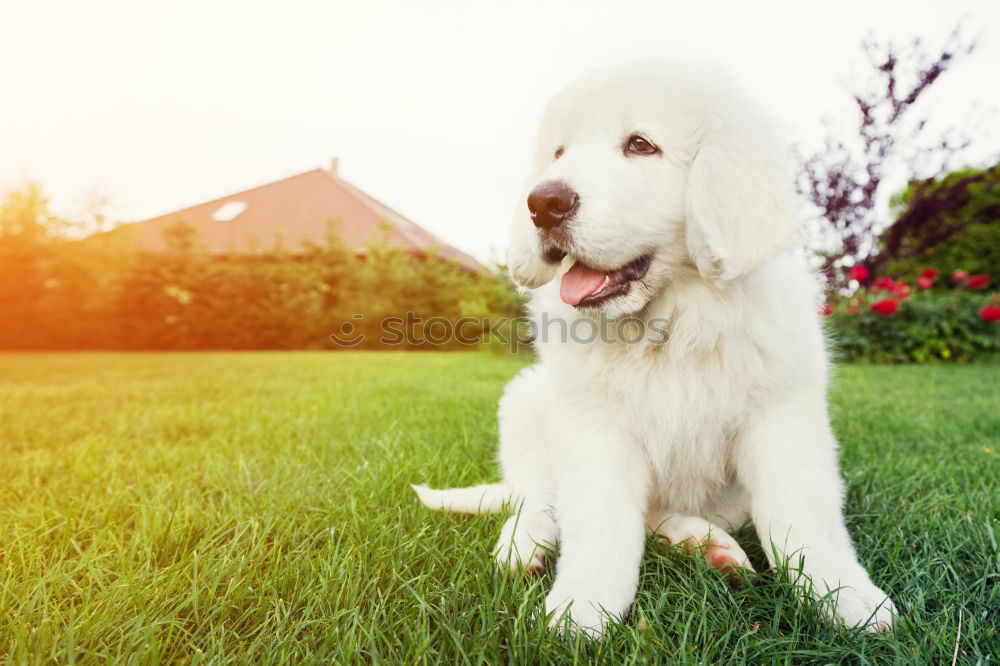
[[551, 204]]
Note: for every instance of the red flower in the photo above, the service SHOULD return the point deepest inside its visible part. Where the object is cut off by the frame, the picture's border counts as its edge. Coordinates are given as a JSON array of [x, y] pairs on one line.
[[925, 282], [852, 309], [977, 281], [883, 283], [901, 290], [930, 273], [826, 310], [885, 307], [859, 273], [990, 313], [960, 275]]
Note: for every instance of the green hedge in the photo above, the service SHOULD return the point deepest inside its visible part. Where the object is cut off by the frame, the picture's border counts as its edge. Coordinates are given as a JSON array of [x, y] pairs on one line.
[[78, 296]]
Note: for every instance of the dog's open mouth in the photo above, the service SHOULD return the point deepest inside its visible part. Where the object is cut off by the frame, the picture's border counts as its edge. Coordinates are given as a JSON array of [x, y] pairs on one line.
[[584, 286]]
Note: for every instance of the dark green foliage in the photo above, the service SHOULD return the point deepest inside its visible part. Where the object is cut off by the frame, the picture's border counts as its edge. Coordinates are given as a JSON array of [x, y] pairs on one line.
[[952, 223]]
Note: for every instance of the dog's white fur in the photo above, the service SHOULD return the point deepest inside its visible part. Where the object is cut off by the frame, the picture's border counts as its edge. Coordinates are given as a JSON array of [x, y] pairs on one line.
[[723, 421]]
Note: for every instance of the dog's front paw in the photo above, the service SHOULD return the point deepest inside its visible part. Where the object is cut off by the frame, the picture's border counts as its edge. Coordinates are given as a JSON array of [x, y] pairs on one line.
[[568, 615], [587, 608], [863, 605]]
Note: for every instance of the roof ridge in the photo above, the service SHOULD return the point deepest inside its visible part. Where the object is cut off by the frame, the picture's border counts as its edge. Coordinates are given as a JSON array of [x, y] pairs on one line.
[[358, 193]]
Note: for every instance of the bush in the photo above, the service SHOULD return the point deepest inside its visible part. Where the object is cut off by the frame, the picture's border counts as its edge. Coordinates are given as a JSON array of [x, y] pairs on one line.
[[888, 321], [78, 295]]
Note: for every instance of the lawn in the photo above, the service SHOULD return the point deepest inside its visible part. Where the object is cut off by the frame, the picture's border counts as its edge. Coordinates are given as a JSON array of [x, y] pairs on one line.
[[254, 507]]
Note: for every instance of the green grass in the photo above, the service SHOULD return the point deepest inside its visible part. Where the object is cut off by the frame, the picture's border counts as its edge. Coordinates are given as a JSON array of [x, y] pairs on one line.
[[255, 508]]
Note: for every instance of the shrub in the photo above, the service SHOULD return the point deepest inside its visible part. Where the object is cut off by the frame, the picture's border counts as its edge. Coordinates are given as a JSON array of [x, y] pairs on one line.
[[66, 295], [888, 322]]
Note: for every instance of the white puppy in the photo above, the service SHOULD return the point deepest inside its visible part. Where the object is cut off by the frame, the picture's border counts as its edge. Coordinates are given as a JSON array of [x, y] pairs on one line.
[[682, 379]]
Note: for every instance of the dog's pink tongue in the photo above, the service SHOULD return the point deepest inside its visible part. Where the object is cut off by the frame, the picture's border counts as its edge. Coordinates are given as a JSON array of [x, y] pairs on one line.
[[579, 282]]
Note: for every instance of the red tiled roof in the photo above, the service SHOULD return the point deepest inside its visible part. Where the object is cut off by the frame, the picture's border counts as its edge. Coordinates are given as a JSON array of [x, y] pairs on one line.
[[300, 208]]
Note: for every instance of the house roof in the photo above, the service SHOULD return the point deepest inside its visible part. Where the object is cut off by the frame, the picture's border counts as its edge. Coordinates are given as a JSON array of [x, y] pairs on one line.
[[294, 210]]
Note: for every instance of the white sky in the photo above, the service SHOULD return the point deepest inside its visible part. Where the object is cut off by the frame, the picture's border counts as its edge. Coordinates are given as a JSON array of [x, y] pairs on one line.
[[431, 106]]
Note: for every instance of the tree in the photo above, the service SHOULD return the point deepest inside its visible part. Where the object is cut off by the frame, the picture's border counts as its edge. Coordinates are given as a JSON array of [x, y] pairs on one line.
[[25, 218], [845, 182]]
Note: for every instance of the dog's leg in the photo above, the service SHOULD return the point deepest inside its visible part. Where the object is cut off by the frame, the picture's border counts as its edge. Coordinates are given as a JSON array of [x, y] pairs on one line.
[[525, 460], [698, 536], [788, 464], [602, 491]]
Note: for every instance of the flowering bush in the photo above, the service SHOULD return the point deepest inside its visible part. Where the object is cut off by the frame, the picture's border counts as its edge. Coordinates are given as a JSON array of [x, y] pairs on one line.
[[886, 321]]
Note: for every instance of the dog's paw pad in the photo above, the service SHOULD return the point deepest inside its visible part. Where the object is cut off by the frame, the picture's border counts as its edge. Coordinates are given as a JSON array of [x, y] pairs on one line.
[[721, 559], [535, 564], [724, 555]]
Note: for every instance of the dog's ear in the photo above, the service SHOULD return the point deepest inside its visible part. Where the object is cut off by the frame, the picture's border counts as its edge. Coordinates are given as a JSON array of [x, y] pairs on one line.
[[739, 201], [524, 260]]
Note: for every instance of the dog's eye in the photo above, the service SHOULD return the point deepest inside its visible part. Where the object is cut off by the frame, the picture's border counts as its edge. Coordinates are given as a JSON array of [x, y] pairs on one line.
[[640, 146], [559, 151]]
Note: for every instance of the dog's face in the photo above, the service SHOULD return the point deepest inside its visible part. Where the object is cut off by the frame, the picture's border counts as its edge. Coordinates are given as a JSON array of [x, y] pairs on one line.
[[643, 173]]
